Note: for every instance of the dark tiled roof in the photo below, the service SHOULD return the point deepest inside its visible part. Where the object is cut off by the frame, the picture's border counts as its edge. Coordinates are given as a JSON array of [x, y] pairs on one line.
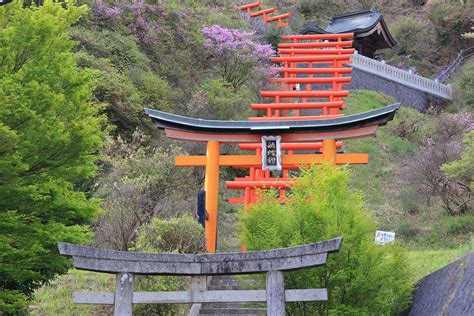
[[171, 121], [352, 22], [312, 27], [361, 21], [3, 2]]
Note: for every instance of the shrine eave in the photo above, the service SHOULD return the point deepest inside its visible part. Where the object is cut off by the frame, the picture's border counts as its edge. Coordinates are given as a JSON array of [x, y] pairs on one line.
[[186, 128], [362, 23]]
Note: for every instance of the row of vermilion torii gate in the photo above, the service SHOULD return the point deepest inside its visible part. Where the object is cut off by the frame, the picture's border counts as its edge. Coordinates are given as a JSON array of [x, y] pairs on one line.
[[310, 87]]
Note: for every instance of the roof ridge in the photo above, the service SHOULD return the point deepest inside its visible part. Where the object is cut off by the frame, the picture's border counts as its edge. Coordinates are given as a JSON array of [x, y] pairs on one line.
[[354, 13]]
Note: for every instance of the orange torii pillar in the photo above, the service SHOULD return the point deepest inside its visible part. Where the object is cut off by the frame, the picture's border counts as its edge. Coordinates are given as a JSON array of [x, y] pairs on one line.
[[329, 151], [211, 186]]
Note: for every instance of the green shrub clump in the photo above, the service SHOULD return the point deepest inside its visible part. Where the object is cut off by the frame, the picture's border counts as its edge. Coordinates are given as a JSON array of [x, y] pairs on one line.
[[182, 235], [363, 278]]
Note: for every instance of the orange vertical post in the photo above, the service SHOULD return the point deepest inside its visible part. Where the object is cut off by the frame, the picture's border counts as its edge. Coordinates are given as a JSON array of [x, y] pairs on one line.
[[211, 185], [329, 151]]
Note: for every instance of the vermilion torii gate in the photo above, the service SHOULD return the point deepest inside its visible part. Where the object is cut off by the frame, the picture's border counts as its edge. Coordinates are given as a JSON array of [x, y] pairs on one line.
[[264, 13], [214, 133]]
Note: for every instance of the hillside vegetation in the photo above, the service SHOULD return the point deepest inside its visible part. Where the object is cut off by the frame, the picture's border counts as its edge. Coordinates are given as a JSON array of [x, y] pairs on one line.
[[80, 161]]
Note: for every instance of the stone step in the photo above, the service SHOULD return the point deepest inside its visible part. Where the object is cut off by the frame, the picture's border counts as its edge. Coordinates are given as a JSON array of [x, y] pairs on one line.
[[223, 283], [223, 288], [221, 305], [217, 283], [233, 311]]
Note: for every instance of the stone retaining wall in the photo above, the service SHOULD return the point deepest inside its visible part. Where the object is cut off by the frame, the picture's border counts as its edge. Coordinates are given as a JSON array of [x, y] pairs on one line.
[[408, 96]]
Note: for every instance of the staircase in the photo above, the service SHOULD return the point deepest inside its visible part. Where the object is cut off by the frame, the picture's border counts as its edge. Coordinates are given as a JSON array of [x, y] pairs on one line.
[[228, 283], [460, 59]]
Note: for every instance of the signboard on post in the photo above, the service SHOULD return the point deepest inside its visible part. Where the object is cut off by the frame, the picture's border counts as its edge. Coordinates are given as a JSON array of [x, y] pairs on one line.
[[383, 238], [271, 153]]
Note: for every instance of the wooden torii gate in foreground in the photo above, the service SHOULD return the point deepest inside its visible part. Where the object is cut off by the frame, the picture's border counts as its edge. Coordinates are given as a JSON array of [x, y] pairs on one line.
[[126, 265]]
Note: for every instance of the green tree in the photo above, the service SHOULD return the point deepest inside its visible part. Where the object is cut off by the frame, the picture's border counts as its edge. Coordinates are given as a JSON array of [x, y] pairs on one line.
[[139, 184], [50, 133], [363, 278]]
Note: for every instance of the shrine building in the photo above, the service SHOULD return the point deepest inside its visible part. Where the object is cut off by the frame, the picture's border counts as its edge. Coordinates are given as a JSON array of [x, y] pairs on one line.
[[371, 33]]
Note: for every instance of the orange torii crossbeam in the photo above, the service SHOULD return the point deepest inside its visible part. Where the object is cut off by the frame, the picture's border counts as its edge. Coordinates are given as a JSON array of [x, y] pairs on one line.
[[264, 13]]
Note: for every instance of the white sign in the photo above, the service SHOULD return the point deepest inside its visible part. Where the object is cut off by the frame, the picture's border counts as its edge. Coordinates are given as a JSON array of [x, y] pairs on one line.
[[271, 153], [383, 238]]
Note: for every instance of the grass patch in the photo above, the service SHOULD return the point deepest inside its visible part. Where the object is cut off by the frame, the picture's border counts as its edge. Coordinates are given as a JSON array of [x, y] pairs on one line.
[[365, 100], [431, 229], [56, 298], [425, 262]]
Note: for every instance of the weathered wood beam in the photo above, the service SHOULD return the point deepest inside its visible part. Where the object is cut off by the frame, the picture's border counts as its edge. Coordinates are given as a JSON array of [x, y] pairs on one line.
[[95, 259], [275, 293], [187, 297]]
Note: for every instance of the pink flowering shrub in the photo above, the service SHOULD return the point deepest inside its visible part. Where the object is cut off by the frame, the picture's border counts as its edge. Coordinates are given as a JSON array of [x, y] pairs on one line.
[[237, 56]]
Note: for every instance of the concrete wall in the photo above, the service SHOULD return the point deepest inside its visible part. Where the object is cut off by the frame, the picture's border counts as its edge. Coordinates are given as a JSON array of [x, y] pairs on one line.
[[448, 291]]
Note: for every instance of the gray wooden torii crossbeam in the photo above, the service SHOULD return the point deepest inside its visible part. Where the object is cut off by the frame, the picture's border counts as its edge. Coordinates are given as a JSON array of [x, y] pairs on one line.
[[128, 264]]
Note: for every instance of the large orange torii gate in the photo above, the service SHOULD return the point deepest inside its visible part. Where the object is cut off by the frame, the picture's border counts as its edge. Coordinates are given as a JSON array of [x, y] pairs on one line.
[[317, 133]]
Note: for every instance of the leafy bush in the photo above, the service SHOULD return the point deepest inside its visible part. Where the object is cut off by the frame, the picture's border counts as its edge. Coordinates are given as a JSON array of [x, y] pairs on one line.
[[183, 235], [450, 21], [363, 278], [216, 99]]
